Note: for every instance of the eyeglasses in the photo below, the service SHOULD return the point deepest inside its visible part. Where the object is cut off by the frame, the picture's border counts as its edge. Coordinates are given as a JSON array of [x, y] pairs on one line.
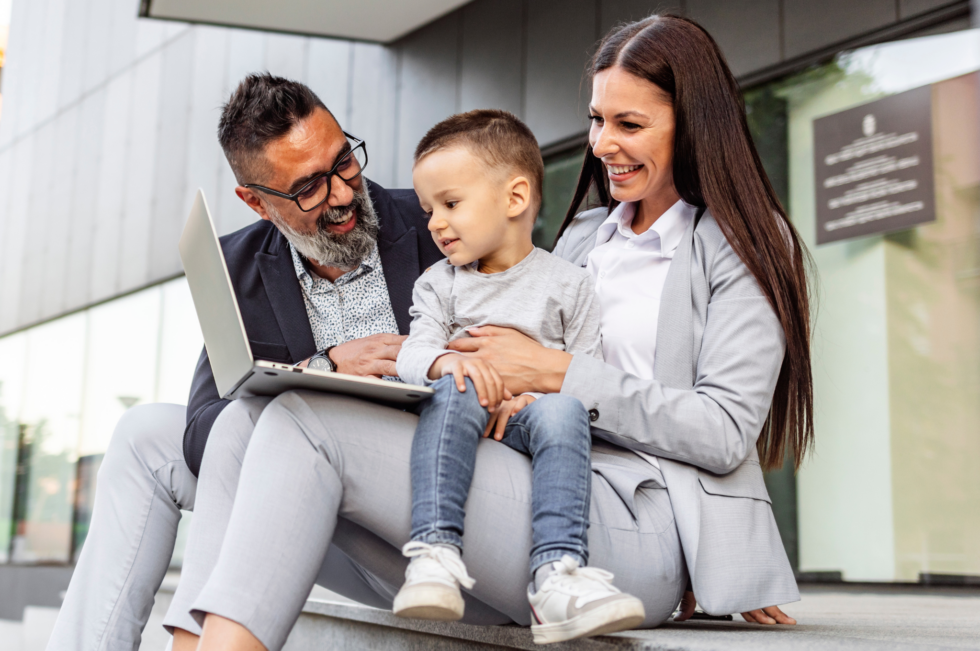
[[316, 191]]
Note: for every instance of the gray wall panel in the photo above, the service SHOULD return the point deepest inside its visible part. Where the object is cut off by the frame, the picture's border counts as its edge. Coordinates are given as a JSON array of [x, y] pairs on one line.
[[12, 246], [47, 85], [171, 199], [811, 25], [138, 192], [98, 27], [204, 157], [907, 8], [561, 34], [109, 192], [60, 212], [39, 227], [427, 86], [492, 56], [747, 31], [328, 71], [373, 107], [72, 58], [81, 233], [6, 174], [285, 56], [616, 11], [122, 44]]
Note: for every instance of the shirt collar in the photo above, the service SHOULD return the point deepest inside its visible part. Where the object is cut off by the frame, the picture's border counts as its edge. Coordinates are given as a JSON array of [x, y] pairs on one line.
[[372, 262], [667, 231]]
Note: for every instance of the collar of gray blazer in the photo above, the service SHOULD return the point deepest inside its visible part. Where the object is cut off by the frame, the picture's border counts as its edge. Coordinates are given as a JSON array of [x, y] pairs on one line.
[[731, 544]]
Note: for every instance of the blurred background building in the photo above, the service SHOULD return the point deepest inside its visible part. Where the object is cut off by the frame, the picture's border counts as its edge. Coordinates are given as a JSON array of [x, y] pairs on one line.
[[108, 127]]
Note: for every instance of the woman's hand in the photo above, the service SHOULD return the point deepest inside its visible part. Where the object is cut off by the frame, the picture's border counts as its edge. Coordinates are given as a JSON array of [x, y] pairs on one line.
[[524, 364], [767, 616], [499, 418]]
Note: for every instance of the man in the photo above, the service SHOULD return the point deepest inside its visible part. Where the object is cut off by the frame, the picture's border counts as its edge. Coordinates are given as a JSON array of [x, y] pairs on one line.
[[327, 273]]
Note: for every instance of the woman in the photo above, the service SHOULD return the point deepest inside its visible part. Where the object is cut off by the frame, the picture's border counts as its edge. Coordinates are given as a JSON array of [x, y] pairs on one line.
[[706, 333]]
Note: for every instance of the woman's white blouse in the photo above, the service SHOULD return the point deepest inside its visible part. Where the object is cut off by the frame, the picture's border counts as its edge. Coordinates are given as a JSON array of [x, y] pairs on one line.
[[630, 270]]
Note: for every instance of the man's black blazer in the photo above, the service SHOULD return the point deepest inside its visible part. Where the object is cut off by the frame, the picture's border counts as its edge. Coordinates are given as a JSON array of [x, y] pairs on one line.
[[271, 301]]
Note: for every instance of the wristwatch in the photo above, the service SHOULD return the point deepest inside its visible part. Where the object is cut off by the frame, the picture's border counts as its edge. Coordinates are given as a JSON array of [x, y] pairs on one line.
[[322, 362]]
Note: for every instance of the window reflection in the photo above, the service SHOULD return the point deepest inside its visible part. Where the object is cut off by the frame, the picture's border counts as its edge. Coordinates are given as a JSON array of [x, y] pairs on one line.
[[63, 386]]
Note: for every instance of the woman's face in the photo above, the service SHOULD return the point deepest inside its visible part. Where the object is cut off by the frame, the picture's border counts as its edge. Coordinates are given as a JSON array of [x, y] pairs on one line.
[[633, 133]]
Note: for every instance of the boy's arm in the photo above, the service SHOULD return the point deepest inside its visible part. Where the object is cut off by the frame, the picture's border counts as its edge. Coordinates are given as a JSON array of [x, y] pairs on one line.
[[582, 329], [429, 333]]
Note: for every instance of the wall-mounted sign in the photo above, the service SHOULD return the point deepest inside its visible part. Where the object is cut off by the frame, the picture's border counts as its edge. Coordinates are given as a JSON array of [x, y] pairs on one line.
[[874, 167]]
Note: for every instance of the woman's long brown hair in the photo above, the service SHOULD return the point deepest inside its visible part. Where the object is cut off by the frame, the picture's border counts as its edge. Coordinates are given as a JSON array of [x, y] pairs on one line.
[[716, 165]]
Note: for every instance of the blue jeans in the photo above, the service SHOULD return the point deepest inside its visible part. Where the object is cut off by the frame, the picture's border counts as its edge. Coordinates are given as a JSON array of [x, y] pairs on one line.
[[553, 430]]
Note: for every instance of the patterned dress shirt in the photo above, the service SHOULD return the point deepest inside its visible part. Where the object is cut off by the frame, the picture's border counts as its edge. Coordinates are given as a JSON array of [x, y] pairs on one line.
[[353, 306]]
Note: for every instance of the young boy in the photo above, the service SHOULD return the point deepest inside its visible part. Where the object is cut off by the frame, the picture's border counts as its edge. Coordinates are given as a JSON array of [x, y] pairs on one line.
[[478, 175]]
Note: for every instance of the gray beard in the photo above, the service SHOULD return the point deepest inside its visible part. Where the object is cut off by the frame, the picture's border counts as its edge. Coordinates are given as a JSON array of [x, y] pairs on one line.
[[341, 251]]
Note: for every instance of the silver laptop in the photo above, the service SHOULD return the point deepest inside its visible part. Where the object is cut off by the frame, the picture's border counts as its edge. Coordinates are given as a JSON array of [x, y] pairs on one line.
[[236, 372]]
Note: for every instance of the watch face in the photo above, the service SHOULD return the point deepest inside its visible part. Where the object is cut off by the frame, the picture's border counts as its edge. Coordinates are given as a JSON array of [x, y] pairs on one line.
[[320, 364]]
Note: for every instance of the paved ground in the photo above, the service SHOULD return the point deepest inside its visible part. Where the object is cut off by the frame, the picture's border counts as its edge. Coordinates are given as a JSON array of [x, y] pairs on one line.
[[830, 617]]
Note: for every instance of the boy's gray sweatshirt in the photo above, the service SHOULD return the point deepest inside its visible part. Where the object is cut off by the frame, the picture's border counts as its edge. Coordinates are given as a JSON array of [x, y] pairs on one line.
[[548, 299]]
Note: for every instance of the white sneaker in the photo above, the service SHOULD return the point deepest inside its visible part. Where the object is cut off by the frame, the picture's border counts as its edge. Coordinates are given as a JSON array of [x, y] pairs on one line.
[[432, 580], [580, 602]]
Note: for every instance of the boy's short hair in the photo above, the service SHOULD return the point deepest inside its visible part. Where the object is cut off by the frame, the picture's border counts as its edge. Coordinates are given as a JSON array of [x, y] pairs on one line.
[[498, 137]]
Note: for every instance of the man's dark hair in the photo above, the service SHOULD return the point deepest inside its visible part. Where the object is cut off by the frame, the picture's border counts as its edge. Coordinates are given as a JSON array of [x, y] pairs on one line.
[[263, 108], [497, 137]]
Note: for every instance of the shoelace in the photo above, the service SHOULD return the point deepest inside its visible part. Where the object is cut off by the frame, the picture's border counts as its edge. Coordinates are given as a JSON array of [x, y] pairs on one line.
[[567, 569], [450, 561]]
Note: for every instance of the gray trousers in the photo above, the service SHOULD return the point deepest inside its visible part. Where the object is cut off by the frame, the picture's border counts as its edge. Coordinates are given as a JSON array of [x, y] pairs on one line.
[[326, 476]]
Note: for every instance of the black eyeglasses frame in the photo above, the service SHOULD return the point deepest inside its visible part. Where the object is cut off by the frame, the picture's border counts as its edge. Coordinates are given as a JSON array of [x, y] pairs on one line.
[[294, 197]]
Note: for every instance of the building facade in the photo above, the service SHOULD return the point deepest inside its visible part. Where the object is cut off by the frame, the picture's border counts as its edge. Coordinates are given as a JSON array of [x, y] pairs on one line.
[[108, 128]]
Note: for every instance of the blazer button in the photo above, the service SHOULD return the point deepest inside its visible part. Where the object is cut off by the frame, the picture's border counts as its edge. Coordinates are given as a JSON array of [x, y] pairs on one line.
[[593, 415]]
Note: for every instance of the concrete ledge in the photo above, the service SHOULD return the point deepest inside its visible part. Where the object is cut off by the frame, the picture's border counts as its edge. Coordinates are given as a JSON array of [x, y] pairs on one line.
[[827, 620]]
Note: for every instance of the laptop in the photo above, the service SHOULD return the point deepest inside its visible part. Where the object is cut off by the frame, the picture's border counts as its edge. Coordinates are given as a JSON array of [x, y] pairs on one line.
[[236, 371]]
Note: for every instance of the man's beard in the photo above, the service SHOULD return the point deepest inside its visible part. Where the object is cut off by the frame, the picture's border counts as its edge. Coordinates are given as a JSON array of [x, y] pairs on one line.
[[338, 250]]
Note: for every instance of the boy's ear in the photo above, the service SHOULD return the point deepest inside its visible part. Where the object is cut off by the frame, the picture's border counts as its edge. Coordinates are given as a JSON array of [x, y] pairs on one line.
[[518, 196]]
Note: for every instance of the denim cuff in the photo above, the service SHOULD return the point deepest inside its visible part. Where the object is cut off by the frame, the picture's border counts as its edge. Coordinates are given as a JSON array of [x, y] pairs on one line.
[[440, 537], [553, 555]]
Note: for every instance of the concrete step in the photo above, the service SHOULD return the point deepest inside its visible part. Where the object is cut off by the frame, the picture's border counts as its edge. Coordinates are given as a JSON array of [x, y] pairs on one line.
[[840, 619]]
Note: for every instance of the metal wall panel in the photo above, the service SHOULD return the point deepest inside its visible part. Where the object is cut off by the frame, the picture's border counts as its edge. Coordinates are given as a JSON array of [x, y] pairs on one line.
[[72, 57], [428, 91], [373, 102], [492, 57], [561, 34], [612, 12], [108, 195], [285, 55], [50, 57], [328, 74], [812, 25], [748, 32], [138, 191], [172, 199], [12, 246], [81, 233], [60, 180], [38, 216], [98, 28]]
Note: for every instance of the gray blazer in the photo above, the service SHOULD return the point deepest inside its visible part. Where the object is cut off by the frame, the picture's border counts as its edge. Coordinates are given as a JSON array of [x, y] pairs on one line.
[[719, 351]]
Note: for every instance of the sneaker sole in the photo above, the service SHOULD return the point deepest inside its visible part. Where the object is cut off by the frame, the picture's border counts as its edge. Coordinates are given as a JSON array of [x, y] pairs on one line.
[[429, 601], [611, 618]]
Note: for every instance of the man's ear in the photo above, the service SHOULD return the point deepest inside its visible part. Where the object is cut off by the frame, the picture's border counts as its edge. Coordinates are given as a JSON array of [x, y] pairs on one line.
[[518, 196], [252, 201]]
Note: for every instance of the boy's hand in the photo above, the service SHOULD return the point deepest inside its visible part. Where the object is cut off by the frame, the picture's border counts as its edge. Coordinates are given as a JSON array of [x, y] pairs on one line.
[[490, 388], [498, 421]]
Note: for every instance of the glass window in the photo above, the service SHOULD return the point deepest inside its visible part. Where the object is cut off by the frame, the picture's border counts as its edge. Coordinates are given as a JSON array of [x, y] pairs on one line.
[[63, 387], [560, 176]]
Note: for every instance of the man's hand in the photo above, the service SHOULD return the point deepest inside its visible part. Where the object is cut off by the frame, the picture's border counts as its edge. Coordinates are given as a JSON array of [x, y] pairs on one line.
[[489, 387], [498, 421], [369, 356], [524, 364], [688, 604]]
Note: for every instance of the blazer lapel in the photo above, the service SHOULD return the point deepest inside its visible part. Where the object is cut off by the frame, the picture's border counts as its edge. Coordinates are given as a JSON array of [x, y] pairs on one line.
[[400, 262], [286, 297]]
